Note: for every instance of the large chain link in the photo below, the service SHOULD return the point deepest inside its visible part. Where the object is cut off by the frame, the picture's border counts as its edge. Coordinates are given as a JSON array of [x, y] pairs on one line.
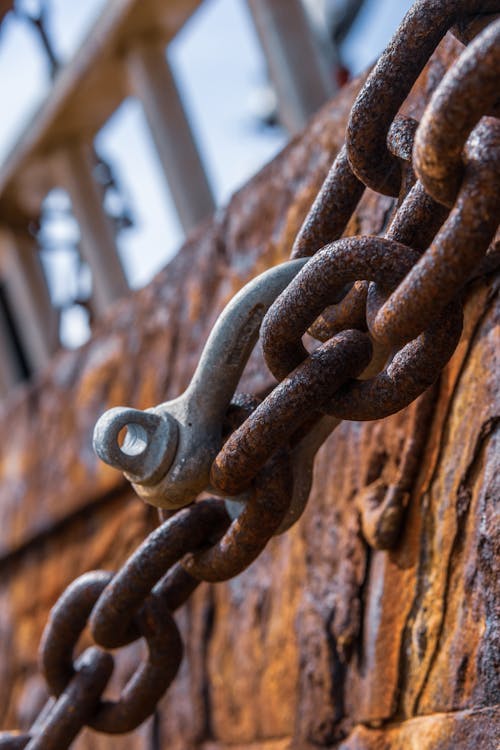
[[388, 312]]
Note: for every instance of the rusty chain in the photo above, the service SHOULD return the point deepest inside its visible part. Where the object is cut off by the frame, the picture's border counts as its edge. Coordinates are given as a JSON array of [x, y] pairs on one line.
[[388, 311]]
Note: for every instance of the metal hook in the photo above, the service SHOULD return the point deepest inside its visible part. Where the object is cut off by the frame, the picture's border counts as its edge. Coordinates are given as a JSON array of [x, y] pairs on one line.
[[168, 450]]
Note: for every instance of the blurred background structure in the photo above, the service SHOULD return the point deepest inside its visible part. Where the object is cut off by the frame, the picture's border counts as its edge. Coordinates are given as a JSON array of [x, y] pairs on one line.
[[127, 122]]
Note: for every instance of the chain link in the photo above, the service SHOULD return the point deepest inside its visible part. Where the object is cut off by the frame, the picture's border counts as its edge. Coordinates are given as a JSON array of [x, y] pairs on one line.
[[274, 422], [388, 312], [390, 83]]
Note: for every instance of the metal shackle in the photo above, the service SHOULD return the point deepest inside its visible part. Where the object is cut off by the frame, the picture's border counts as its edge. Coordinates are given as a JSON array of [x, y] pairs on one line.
[[168, 450]]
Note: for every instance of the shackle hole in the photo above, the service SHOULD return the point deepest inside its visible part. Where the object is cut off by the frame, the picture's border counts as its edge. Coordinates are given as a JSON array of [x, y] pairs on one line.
[[133, 439]]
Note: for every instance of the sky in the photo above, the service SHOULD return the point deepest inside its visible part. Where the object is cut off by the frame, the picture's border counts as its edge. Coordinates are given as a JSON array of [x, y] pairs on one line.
[[218, 66]]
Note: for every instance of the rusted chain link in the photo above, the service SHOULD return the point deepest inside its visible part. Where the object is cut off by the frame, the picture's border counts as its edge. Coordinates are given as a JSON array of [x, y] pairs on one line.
[[411, 371], [415, 224], [332, 208], [249, 533], [135, 603], [389, 313], [463, 240], [75, 706], [310, 386], [190, 528], [390, 83], [468, 28], [468, 91], [143, 691]]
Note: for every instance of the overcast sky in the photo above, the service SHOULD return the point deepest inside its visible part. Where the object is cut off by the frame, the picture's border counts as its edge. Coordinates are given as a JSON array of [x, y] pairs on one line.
[[218, 65]]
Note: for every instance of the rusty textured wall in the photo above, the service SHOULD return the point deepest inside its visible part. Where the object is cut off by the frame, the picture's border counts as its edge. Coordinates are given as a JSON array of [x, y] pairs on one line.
[[324, 641]]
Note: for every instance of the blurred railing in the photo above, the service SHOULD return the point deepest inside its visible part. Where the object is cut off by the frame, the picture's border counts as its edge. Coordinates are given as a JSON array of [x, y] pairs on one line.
[[123, 55]]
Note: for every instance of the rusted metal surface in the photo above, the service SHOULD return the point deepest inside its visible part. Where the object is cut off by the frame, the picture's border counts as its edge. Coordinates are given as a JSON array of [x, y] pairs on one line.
[[324, 716], [67, 622], [350, 311], [463, 729], [382, 504]]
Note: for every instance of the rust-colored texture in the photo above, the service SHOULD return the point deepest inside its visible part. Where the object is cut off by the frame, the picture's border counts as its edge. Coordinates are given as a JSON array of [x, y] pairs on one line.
[[325, 641]]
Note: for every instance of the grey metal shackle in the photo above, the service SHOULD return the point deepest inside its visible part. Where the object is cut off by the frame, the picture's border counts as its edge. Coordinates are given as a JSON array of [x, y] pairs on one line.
[[168, 450]]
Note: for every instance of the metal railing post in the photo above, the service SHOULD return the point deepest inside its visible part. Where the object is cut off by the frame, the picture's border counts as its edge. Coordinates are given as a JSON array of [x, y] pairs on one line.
[[298, 70], [98, 242], [154, 85], [28, 296], [10, 371]]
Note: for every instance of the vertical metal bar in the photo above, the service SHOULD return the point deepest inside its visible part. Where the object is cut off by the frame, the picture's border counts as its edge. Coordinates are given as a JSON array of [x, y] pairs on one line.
[[98, 241], [297, 67], [29, 300], [153, 83], [10, 371]]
